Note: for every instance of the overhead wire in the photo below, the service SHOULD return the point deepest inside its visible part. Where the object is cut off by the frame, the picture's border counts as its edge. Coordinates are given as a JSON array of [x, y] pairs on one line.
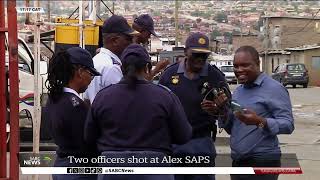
[[300, 30]]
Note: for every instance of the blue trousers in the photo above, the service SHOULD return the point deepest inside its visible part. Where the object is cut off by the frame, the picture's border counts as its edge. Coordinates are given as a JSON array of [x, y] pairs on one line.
[[126, 155], [198, 146], [64, 162]]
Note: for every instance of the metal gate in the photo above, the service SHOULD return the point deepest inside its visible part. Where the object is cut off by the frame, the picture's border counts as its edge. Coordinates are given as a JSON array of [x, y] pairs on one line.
[[11, 29]]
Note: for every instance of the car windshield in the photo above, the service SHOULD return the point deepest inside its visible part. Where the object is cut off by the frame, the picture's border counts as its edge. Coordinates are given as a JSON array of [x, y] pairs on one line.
[[227, 68], [296, 67]]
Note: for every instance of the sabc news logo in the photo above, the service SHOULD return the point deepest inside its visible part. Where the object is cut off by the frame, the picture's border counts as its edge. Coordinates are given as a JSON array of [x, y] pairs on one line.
[[37, 161]]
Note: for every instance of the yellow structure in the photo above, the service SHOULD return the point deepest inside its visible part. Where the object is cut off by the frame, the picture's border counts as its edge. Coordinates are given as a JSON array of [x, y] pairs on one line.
[[68, 35]]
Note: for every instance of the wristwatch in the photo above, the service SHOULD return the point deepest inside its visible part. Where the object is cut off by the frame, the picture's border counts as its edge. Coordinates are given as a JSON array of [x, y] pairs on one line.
[[261, 124]]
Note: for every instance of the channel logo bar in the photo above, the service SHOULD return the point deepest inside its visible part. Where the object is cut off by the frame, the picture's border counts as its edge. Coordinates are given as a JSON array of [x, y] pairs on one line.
[[159, 170]]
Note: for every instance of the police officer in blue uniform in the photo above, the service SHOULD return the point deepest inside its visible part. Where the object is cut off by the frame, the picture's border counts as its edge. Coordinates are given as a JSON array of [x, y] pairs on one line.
[[129, 119], [69, 74], [189, 79]]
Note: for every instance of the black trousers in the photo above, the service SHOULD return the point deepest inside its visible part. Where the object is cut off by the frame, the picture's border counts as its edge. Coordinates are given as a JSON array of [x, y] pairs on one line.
[[255, 163]]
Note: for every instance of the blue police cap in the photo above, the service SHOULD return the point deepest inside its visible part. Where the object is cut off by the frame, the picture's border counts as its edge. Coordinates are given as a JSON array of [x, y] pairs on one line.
[[117, 24], [198, 43], [82, 57], [146, 22], [140, 53]]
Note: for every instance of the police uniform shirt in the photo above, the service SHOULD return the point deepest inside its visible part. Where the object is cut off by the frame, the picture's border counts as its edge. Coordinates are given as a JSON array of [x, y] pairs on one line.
[[67, 117], [109, 66], [189, 93], [148, 118]]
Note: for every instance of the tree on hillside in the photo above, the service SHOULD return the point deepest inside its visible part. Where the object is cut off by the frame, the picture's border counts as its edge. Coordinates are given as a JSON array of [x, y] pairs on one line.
[[214, 34], [221, 17], [126, 7], [228, 36]]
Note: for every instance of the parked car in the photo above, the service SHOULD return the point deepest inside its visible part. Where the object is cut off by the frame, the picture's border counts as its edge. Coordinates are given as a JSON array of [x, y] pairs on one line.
[[293, 74], [229, 73], [26, 98]]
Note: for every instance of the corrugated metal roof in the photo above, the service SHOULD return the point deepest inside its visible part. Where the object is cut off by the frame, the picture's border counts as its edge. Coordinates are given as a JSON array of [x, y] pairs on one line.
[[292, 17], [302, 48]]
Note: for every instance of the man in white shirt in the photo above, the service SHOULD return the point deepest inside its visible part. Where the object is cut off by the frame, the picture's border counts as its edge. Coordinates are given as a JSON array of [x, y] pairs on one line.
[[117, 35]]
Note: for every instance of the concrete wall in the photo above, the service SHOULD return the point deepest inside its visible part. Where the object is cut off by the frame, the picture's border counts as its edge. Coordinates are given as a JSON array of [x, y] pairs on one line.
[[297, 57], [313, 72], [306, 58], [277, 60], [294, 33]]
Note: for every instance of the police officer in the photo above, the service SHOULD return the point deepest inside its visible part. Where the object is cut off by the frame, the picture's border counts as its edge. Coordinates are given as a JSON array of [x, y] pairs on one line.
[[145, 26], [129, 119], [117, 35], [188, 79], [70, 72]]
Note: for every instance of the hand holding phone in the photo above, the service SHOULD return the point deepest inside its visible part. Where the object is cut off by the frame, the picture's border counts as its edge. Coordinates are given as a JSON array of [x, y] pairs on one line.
[[236, 107]]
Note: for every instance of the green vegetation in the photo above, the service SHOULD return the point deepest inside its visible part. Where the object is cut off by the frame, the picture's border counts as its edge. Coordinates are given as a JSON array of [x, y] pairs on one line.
[[215, 33], [221, 17], [205, 15]]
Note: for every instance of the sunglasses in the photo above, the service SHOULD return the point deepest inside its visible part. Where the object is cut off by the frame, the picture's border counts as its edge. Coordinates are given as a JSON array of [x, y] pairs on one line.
[[202, 56], [90, 73]]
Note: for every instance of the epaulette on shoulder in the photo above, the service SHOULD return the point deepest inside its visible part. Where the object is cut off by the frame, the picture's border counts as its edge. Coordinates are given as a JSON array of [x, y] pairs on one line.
[[164, 87], [75, 101]]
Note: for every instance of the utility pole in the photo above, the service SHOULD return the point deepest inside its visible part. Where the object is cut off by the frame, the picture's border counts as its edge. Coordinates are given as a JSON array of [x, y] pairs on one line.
[[37, 81], [81, 27], [27, 14], [176, 22], [49, 16], [267, 45], [113, 7], [98, 2], [241, 20]]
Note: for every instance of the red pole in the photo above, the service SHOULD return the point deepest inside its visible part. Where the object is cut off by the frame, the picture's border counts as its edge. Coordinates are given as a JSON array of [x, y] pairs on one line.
[[14, 89], [3, 146]]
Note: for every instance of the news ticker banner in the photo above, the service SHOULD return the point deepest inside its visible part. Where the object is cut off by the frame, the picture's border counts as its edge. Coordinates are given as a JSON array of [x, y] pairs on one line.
[[159, 170], [142, 164]]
